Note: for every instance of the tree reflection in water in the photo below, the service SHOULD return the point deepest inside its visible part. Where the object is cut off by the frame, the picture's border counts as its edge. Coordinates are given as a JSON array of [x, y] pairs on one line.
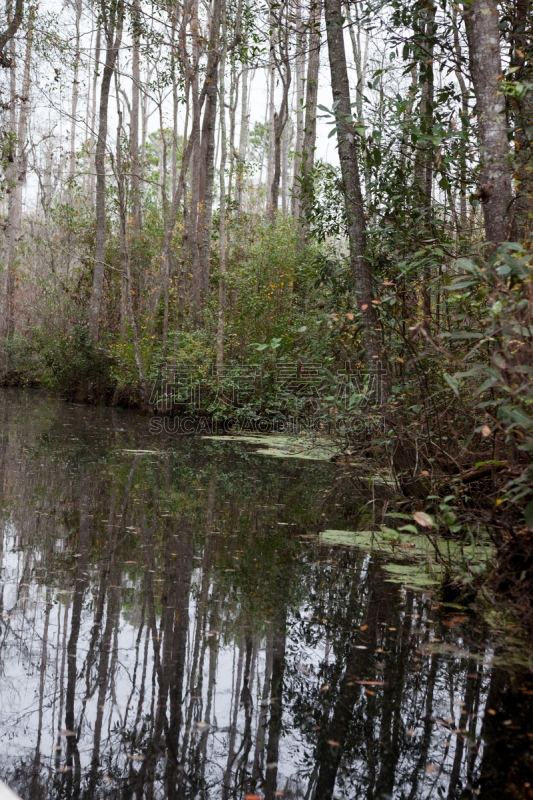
[[164, 636]]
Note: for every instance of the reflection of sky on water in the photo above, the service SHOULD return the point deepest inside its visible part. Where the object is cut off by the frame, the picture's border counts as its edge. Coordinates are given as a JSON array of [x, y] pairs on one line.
[[233, 657]]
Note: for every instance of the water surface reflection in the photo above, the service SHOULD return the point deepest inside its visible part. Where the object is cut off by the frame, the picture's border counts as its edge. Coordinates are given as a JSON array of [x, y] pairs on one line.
[[171, 628]]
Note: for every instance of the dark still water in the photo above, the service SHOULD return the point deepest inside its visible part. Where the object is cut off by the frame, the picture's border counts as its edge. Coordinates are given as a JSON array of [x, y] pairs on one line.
[[171, 627]]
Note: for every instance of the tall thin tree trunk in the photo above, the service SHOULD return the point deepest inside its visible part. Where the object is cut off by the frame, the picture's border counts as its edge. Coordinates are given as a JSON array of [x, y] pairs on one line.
[[311, 95], [243, 137], [483, 31], [233, 100], [280, 118], [92, 167], [175, 103], [222, 224], [113, 34], [427, 155], [16, 177], [134, 121], [197, 299], [6, 298], [125, 266], [85, 182], [464, 122], [301, 39], [75, 93], [271, 128], [522, 18], [207, 158], [360, 56], [347, 146], [285, 145], [265, 148]]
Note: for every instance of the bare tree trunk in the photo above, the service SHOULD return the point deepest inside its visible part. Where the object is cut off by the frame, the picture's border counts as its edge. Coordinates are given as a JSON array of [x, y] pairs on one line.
[[233, 100], [301, 39], [311, 94], [125, 266], [265, 149], [134, 121], [6, 298], [360, 56], [92, 166], [271, 128], [482, 26], [186, 158], [144, 128], [165, 271], [74, 108], [280, 118], [424, 171], [85, 181], [222, 224], [347, 146], [464, 122], [175, 103], [113, 34], [207, 157], [16, 177], [197, 299], [285, 145], [243, 138], [523, 114]]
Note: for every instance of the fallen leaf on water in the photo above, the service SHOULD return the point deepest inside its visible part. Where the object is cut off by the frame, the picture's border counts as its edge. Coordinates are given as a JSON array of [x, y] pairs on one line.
[[371, 683], [363, 627], [57, 747], [491, 711], [423, 519], [333, 742], [431, 768], [485, 431], [66, 732], [252, 797], [137, 758], [203, 725], [64, 769], [107, 779], [369, 691]]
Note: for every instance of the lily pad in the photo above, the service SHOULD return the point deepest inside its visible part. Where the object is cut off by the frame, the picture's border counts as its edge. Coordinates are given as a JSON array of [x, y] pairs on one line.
[[285, 446]]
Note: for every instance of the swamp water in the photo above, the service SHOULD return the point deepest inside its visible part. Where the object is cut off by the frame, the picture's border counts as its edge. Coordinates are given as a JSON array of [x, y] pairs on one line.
[[174, 626]]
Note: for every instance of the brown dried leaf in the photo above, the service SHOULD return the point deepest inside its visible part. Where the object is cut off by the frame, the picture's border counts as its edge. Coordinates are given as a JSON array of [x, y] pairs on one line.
[[423, 519]]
